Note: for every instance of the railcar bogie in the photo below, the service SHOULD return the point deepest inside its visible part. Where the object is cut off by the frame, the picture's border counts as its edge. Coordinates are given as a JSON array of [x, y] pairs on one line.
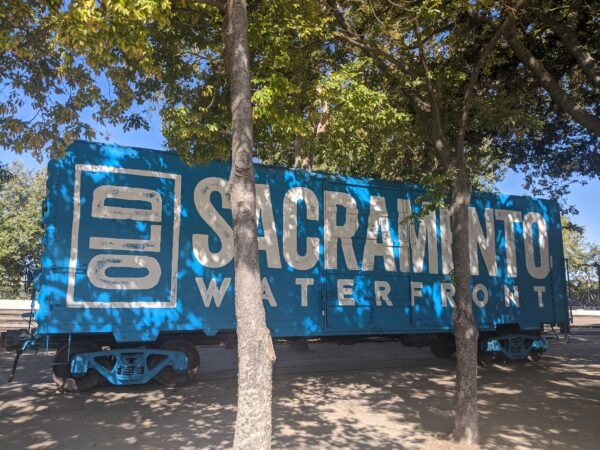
[[80, 366]]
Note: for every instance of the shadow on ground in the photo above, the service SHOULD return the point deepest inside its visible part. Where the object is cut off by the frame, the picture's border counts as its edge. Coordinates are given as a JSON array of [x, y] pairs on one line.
[[363, 396]]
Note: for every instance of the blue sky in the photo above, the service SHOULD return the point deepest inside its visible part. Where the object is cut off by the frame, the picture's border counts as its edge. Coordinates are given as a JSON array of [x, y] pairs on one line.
[[585, 198]]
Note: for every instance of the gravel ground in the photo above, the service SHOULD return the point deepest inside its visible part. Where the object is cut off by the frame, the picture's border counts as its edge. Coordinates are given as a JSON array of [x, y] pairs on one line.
[[344, 397]]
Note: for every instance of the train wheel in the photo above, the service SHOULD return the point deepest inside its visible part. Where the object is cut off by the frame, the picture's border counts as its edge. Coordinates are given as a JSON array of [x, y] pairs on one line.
[[170, 377], [61, 368], [534, 355]]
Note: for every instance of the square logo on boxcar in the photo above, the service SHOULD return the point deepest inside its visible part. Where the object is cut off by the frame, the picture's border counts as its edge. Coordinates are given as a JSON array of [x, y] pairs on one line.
[[125, 238]]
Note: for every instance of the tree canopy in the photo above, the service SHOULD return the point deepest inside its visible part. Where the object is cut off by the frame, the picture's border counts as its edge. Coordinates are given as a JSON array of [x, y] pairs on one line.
[[68, 67], [551, 147]]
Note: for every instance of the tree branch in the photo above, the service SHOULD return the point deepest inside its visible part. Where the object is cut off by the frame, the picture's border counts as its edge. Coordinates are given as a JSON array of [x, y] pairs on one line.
[[348, 34], [376, 52], [339, 16], [380, 56], [421, 107], [556, 92], [470, 89], [439, 138], [568, 37], [35, 35]]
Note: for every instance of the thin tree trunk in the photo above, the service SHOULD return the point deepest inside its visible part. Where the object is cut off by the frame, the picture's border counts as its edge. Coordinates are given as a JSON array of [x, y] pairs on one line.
[[301, 159], [466, 421], [558, 95], [255, 347], [466, 335], [466, 418]]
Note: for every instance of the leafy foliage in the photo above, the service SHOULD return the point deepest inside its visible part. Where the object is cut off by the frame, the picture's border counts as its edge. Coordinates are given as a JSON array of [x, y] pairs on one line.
[[582, 257], [46, 87], [20, 229], [549, 146], [5, 174], [70, 67], [382, 34]]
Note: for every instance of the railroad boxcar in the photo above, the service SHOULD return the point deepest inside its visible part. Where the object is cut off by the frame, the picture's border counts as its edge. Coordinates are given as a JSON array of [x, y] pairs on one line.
[[137, 266]]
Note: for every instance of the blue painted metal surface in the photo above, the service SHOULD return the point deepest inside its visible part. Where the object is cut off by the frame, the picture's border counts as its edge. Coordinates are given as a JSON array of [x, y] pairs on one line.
[[515, 346], [137, 243], [131, 366]]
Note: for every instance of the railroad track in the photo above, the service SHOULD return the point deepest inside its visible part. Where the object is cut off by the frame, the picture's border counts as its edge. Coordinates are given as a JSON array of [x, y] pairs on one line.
[[14, 315], [14, 319]]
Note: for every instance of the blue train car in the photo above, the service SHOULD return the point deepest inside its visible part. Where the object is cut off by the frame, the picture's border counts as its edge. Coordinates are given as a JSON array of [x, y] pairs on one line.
[[138, 264]]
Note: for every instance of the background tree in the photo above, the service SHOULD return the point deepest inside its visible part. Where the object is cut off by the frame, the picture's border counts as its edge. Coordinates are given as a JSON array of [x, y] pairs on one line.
[[464, 75], [582, 256], [21, 232], [255, 346]]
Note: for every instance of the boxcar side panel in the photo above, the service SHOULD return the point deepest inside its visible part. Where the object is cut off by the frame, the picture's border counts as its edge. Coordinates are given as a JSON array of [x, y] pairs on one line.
[[137, 243]]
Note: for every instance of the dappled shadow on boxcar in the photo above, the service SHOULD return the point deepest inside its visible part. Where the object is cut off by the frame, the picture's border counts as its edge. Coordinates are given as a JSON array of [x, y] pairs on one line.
[[387, 408]]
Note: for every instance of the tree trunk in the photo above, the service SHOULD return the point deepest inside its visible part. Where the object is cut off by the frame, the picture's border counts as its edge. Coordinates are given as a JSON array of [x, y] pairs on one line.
[[301, 159], [557, 94], [255, 347], [466, 422]]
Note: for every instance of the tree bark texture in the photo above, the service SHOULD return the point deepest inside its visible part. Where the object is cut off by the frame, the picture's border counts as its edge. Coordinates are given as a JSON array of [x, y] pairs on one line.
[[557, 94], [301, 158], [466, 421], [255, 346]]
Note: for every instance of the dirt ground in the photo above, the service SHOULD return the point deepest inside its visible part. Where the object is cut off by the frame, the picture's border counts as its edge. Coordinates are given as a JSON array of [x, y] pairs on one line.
[[344, 397]]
